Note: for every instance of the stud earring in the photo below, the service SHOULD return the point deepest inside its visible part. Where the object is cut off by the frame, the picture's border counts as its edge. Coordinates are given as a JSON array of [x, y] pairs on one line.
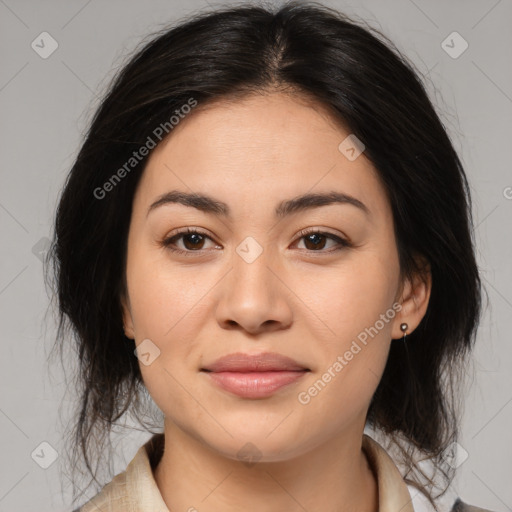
[[403, 328]]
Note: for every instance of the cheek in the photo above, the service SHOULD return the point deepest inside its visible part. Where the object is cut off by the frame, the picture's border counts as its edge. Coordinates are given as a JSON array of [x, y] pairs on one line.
[[168, 309], [165, 296], [353, 319], [344, 301]]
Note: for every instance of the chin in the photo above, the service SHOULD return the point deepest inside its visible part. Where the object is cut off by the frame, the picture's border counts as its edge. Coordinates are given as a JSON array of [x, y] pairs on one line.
[[260, 444]]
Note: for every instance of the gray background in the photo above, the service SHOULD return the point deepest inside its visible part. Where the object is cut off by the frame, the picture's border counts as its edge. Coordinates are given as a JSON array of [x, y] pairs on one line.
[[45, 105]]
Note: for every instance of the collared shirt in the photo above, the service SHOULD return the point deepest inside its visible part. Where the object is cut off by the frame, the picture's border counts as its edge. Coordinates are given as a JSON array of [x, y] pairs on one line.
[[135, 489]]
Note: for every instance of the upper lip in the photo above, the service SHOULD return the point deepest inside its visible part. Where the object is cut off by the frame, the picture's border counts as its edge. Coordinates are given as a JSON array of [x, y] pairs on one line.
[[265, 362]]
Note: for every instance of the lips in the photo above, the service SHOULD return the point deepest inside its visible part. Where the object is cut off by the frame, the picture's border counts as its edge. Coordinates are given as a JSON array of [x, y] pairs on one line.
[[256, 375], [266, 362]]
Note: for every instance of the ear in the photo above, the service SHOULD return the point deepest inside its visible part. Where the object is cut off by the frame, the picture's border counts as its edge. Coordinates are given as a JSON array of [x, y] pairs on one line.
[[414, 297], [127, 316]]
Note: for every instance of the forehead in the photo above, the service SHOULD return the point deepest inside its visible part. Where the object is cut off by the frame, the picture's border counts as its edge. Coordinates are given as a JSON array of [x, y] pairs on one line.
[[257, 149]]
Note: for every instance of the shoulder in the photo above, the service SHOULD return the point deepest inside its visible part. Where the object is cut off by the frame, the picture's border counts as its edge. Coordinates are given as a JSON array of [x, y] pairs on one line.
[[450, 502], [394, 489], [134, 489], [110, 497], [460, 506]]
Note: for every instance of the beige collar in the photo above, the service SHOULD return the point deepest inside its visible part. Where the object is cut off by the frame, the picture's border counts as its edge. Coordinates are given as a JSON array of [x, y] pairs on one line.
[[393, 493]]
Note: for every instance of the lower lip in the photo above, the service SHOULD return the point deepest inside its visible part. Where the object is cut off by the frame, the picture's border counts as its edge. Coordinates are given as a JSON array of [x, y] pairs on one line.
[[255, 384]]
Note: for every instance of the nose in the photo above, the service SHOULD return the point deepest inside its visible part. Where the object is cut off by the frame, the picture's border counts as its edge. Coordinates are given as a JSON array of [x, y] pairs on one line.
[[253, 297]]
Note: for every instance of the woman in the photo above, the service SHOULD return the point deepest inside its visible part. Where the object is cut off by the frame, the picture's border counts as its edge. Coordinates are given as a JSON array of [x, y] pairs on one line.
[[268, 230]]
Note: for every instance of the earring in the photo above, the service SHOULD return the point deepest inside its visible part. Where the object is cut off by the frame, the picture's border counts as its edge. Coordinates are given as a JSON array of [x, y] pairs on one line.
[[403, 328]]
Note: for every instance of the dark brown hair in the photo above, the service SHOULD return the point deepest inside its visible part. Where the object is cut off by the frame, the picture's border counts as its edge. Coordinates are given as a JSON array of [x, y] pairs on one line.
[[367, 84]]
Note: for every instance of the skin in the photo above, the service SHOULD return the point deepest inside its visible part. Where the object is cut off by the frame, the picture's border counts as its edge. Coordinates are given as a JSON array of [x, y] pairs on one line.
[[305, 303]]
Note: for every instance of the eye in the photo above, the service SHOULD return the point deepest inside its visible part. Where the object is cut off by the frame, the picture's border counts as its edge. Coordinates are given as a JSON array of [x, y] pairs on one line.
[[315, 240], [193, 241]]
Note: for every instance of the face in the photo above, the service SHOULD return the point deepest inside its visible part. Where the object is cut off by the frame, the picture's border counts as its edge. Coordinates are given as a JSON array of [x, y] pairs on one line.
[[252, 273]]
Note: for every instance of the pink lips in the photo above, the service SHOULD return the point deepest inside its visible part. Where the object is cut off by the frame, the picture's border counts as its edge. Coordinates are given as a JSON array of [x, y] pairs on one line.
[[254, 376]]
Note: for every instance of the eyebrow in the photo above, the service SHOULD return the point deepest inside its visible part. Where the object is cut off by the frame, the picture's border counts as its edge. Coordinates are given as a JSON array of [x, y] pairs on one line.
[[210, 205]]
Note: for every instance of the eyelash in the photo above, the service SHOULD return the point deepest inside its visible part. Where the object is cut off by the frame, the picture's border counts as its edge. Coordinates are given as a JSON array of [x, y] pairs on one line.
[[169, 241]]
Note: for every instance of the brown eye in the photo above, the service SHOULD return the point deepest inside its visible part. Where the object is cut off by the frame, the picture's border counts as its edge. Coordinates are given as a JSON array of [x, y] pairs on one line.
[[316, 240], [192, 241]]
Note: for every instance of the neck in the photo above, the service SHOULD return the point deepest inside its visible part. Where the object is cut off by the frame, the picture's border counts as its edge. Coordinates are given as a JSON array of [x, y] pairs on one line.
[[333, 477]]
